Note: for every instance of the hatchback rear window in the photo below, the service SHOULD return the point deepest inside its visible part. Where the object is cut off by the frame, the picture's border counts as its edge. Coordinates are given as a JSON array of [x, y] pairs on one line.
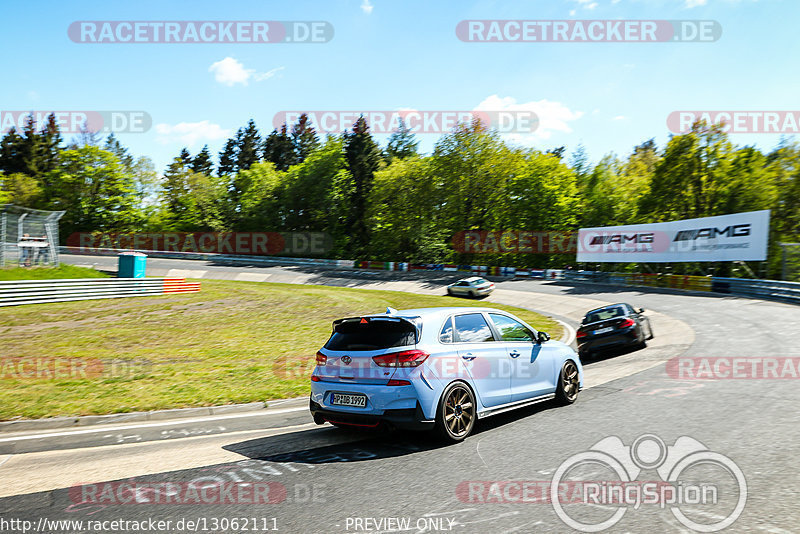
[[371, 335]]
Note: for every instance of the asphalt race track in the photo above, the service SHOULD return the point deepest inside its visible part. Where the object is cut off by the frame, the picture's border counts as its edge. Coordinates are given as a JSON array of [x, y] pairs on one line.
[[321, 479]]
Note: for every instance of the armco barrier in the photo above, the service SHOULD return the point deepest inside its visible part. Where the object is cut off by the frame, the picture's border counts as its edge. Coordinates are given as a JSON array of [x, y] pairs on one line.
[[20, 292], [743, 287], [228, 258]]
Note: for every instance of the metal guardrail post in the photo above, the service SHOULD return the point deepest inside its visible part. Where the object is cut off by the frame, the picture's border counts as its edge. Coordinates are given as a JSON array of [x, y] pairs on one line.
[[19, 292]]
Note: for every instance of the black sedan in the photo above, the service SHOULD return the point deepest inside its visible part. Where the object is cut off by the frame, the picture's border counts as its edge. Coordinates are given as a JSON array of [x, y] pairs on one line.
[[615, 326]]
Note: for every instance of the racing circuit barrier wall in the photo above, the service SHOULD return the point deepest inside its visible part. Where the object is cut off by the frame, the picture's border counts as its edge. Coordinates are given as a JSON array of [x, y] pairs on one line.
[[221, 258], [19, 292], [742, 287], [480, 270]]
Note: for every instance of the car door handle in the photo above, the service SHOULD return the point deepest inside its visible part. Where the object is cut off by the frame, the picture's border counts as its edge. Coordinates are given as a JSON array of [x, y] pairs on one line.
[[514, 354], [468, 356]]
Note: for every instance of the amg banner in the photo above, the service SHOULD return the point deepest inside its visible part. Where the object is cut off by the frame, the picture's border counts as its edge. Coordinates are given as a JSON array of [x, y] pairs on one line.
[[735, 237]]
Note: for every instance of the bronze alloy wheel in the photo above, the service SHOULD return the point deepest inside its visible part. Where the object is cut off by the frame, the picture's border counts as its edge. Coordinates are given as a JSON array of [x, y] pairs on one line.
[[568, 383], [456, 416]]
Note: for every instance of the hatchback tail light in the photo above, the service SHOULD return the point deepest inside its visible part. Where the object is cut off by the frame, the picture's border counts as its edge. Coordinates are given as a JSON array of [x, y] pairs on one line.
[[406, 358], [626, 323], [580, 334], [315, 378], [321, 359]]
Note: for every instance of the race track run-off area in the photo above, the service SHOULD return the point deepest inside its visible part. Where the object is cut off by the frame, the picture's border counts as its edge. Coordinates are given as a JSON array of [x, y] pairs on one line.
[[282, 473]]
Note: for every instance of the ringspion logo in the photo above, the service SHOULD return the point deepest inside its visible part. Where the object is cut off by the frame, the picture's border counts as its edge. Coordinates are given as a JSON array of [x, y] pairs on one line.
[[704, 490]]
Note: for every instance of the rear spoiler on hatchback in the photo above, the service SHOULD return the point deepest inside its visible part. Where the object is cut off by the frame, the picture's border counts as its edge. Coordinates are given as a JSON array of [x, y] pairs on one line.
[[414, 322]]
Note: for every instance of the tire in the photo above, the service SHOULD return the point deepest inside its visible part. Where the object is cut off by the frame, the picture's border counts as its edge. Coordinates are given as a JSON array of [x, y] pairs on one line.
[[650, 330], [585, 354], [473, 294], [456, 414], [568, 384], [449, 292]]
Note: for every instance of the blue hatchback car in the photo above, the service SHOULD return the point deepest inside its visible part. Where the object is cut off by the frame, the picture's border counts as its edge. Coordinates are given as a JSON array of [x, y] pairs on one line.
[[437, 368]]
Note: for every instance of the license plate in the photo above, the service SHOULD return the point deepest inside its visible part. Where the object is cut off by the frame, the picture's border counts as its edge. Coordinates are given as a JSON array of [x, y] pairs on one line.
[[343, 399], [603, 330]]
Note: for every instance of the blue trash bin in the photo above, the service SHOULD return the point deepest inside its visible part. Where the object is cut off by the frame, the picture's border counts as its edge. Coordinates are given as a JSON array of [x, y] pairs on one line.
[[132, 265]]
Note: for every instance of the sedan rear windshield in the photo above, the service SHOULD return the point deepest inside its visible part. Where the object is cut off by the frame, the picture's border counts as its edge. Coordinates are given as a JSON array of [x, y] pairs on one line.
[[602, 315], [371, 335]]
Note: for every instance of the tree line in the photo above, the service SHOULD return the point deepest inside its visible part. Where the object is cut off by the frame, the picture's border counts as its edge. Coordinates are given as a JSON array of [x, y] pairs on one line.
[[392, 203]]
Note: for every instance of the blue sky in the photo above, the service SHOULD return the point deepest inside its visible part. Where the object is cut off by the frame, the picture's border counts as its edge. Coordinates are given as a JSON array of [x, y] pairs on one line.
[[389, 55]]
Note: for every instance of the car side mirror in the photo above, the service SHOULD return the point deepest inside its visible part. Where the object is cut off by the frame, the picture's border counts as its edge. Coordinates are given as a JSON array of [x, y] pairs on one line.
[[541, 337], [641, 310]]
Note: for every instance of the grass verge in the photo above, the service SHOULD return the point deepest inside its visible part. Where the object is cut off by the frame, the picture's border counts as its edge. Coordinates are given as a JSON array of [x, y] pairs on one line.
[[49, 273], [233, 342]]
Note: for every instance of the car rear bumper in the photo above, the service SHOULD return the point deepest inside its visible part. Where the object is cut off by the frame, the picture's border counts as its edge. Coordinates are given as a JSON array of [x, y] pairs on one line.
[[407, 418], [617, 339]]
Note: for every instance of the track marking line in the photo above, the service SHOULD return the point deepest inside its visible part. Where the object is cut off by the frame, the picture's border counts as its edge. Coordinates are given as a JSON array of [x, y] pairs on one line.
[[172, 422]]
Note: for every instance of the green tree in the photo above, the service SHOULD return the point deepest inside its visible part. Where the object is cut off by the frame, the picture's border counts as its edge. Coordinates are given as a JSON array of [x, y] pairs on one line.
[[96, 192], [50, 145], [12, 158], [402, 143], [279, 149], [402, 213], [689, 180], [22, 190], [309, 200], [471, 167], [202, 162], [227, 158], [363, 158], [304, 138], [260, 207], [248, 142]]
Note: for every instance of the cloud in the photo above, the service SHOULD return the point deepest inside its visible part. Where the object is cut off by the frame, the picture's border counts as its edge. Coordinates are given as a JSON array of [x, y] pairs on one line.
[[695, 3], [190, 133], [553, 116], [620, 118], [229, 72], [366, 7], [267, 75]]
